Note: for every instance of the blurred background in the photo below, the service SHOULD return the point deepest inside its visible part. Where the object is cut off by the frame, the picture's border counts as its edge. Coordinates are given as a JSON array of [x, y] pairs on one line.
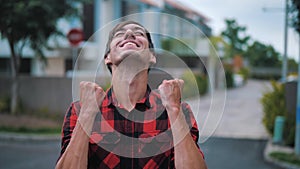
[[248, 50]]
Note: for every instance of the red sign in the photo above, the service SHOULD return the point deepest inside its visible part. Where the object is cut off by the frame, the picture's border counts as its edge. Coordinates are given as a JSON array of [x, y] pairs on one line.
[[75, 36]]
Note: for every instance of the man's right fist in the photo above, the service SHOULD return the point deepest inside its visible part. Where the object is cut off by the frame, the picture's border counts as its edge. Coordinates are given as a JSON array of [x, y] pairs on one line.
[[91, 97]]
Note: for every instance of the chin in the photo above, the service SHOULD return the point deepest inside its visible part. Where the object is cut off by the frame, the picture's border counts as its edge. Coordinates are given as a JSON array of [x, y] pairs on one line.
[[129, 52]]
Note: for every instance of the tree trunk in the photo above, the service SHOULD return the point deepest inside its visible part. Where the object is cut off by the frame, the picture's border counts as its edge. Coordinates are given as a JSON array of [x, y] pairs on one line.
[[14, 95], [14, 60]]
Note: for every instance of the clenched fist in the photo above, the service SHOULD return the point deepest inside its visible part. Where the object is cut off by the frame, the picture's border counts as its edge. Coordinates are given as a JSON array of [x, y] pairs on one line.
[[91, 97], [170, 91]]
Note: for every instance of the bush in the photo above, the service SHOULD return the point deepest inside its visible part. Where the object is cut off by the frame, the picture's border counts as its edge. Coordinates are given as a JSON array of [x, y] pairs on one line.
[[229, 78], [202, 82], [289, 129], [245, 73], [194, 84], [274, 104], [228, 68], [5, 102]]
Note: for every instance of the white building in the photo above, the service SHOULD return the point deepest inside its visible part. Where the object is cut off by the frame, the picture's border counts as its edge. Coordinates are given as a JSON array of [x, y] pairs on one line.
[[170, 18]]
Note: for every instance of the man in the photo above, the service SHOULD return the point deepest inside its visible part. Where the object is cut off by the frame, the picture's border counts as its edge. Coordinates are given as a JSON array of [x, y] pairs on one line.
[[130, 125]]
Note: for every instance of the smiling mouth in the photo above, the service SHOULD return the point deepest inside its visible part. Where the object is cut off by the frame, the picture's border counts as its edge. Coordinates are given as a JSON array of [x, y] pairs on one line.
[[129, 43]]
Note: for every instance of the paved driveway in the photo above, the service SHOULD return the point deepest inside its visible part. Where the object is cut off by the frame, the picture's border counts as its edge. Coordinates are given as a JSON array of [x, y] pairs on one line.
[[235, 113]]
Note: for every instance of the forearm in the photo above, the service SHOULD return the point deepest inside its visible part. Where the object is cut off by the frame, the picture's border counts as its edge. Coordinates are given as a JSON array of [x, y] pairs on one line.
[[187, 154], [76, 153]]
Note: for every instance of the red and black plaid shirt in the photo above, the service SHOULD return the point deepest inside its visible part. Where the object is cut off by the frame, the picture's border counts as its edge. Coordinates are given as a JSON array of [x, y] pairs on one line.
[[141, 138]]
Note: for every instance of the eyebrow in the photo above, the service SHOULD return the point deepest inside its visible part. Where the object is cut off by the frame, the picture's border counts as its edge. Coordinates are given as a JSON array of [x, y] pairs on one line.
[[134, 28]]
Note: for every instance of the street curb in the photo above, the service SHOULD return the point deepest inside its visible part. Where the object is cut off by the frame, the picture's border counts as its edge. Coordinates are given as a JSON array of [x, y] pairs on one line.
[[240, 136], [270, 147], [28, 137]]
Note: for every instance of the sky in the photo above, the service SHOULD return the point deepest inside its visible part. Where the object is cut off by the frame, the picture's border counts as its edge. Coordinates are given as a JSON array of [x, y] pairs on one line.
[[264, 26]]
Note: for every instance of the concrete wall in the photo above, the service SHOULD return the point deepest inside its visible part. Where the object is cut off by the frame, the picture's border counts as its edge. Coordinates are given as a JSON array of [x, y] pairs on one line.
[[52, 94]]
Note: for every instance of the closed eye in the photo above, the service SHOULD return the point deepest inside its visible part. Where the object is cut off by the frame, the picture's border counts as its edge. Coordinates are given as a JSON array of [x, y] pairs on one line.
[[139, 33], [119, 34], [136, 33]]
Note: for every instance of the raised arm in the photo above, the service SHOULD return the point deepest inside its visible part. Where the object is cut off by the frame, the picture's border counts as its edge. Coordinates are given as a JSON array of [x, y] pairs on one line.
[[76, 152], [187, 154]]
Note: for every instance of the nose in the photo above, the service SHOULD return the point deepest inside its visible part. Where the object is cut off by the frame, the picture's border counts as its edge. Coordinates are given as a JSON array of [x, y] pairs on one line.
[[129, 34]]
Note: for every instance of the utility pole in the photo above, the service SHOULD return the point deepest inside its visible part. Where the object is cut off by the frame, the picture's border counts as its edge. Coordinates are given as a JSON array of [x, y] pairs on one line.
[[297, 132], [284, 60]]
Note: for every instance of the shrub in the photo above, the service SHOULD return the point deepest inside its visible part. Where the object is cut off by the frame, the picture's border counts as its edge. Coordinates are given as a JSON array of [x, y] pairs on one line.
[[194, 84], [229, 78], [5, 102], [289, 129], [245, 73], [273, 103], [202, 83]]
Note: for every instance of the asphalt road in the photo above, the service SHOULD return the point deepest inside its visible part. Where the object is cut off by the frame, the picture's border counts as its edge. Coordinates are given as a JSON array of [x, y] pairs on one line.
[[228, 153], [28, 155], [220, 153]]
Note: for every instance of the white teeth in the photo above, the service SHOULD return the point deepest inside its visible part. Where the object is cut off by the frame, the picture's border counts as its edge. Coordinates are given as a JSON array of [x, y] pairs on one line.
[[129, 43]]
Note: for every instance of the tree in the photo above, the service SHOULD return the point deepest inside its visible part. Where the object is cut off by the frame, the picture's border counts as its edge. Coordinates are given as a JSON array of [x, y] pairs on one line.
[[292, 64], [31, 23], [295, 14], [235, 36], [261, 55]]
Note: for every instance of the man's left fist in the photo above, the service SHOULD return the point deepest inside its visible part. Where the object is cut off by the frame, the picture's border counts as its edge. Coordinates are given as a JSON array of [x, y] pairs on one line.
[[170, 91]]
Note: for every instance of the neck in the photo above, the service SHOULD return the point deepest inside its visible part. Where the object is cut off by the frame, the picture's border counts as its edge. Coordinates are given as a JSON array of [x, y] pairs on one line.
[[129, 87]]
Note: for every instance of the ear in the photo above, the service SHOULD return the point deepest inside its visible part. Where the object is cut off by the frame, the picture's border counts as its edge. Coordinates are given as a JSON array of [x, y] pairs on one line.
[[152, 58], [107, 60]]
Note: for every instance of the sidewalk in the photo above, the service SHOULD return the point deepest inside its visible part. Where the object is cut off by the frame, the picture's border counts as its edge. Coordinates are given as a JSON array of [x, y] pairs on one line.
[[242, 116]]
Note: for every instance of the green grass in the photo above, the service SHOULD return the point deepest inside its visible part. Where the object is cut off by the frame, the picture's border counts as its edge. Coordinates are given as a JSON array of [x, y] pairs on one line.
[[286, 157], [29, 121]]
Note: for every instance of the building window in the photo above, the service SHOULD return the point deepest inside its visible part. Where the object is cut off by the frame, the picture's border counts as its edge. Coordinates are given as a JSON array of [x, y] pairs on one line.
[[25, 67], [88, 20], [129, 7], [5, 66], [68, 65]]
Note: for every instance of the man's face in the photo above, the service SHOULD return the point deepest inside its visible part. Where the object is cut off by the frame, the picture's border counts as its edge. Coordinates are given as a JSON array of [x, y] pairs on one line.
[[128, 40]]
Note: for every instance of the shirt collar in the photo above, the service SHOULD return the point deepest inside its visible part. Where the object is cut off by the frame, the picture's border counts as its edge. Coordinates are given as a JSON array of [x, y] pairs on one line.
[[112, 100]]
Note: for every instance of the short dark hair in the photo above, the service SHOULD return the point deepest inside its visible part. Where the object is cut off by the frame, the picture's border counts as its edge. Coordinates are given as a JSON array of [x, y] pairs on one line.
[[116, 29]]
